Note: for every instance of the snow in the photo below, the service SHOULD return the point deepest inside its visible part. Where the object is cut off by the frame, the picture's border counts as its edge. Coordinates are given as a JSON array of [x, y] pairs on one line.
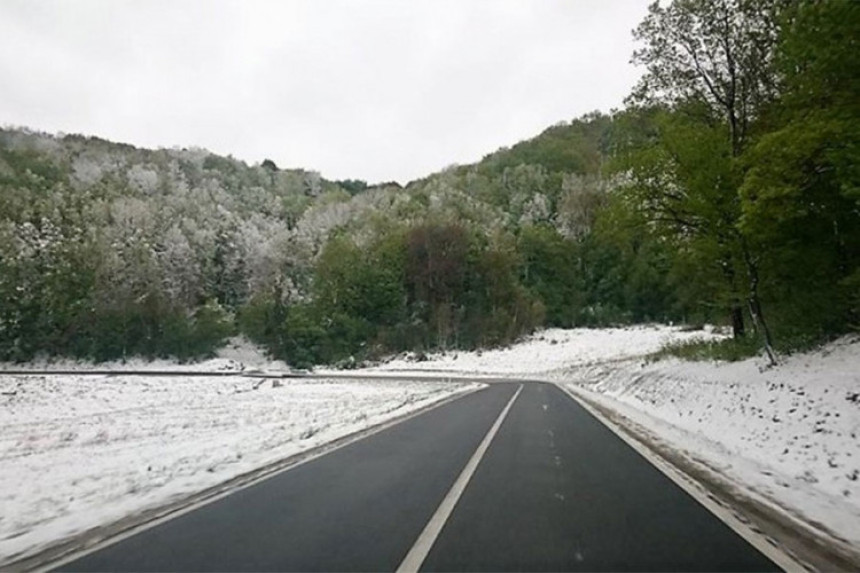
[[80, 451], [550, 350], [241, 353]]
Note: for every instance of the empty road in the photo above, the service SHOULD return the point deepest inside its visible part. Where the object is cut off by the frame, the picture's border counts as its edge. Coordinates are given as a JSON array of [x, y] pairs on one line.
[[555, 490]]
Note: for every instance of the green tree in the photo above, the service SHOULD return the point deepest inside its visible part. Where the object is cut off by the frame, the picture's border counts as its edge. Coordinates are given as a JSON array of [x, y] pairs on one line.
[[436, 271], [548, 268], [713, 60], [801, 193]]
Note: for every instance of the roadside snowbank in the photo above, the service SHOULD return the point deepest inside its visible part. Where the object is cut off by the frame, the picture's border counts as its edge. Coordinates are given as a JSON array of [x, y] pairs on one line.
[[81, 451], [550, 350], [788, 433]]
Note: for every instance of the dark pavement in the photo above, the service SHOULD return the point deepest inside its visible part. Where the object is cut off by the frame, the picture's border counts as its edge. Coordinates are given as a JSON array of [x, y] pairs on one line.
[[556, 491]]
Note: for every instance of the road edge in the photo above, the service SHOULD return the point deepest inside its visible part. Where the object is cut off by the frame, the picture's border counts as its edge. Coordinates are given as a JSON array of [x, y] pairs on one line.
[[70, 548], [751, 518], [691, 486]]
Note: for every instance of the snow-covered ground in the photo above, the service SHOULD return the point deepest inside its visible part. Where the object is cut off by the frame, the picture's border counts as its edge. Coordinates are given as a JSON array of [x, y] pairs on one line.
[[550, 350], [80, 451]]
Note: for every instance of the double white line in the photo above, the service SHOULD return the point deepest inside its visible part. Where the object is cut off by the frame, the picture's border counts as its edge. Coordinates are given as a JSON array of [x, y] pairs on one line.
[[418, 553]]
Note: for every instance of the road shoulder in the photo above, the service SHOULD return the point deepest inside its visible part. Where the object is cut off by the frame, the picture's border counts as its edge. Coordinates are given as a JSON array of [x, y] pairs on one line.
[[789, 542]]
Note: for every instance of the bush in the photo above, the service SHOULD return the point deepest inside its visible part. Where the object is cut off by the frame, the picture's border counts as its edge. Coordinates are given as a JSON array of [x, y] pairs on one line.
[[728, 350]]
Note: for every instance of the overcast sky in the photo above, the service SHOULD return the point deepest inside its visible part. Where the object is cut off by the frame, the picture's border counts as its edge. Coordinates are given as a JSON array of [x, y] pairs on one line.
[[375, 90]]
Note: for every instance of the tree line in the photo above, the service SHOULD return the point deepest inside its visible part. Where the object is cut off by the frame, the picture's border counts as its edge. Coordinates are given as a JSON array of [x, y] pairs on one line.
[[725, 191]]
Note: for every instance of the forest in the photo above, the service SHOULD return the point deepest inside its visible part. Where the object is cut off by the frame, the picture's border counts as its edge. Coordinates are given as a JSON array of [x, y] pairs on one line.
[[726, 191]]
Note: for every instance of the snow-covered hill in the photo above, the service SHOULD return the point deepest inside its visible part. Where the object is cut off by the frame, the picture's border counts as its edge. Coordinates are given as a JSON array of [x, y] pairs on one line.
[[550, 350]]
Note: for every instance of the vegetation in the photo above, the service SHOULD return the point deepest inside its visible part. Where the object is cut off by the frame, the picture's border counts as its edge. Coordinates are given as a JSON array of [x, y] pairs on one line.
[[728, 350], [727, 190]]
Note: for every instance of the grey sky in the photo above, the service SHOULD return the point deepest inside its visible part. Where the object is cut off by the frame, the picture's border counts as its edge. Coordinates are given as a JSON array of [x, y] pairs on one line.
[[376, 90]]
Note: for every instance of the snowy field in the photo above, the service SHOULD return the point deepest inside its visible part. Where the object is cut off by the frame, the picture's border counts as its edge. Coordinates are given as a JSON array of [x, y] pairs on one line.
[[238, 355], [80, 451]]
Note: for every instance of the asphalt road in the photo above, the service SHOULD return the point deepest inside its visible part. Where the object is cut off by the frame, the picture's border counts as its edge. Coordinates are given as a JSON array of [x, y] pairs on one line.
[[555, 491]]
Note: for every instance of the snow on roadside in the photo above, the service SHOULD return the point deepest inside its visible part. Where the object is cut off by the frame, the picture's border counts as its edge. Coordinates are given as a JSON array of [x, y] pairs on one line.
[[551, 349], [81, 451], [788, 434]]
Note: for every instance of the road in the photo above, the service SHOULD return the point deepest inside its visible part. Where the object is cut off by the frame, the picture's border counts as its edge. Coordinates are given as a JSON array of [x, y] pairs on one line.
[[555, 491]]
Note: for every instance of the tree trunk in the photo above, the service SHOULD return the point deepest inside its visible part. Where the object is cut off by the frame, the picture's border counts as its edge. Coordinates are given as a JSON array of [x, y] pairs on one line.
[[754, 304], [736, 310], [738, 330], [761, 325]]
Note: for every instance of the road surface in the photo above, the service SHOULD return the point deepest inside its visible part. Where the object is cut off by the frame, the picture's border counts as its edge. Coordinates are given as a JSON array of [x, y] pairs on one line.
[[554, 491]]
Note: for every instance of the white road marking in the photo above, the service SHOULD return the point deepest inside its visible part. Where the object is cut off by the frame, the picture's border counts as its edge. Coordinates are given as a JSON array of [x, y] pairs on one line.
[[418, 553]]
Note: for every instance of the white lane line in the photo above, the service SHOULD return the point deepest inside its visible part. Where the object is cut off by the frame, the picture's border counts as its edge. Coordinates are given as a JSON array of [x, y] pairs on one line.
[[416, 556]]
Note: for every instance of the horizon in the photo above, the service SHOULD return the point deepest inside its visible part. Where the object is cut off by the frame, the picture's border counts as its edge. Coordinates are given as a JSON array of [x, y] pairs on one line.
[[61, 134], [373, 91]]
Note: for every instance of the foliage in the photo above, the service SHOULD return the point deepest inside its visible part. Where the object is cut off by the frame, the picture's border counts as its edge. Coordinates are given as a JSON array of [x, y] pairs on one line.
[[727, 350], [800, 196], [726, 191], [548, 269], [714, 53]]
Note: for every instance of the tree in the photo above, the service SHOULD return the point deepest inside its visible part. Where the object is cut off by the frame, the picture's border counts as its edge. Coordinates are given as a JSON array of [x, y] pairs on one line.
[[716, 52], [548, 267], [713, 61], [436, 267], [801, 193], [679, 174], [352, 186], [582, 197]]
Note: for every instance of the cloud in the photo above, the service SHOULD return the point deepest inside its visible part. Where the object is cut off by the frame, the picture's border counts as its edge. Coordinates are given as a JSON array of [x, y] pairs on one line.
[[377, 90]]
